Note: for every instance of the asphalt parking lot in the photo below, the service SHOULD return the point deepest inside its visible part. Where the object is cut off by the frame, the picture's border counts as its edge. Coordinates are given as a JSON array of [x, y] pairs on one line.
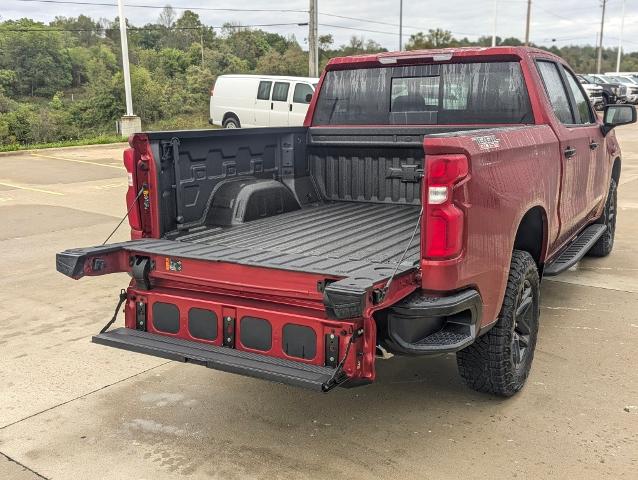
[[71, 409]]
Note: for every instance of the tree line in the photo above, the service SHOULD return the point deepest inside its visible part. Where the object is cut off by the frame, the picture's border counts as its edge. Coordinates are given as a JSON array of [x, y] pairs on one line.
[[63, 81]]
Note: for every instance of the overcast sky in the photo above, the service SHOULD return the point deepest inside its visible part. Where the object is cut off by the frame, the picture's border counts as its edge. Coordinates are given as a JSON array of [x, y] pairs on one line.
[[574, 22]]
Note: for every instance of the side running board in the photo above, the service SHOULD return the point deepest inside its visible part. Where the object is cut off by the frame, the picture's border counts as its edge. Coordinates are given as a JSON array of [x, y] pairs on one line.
[[230, 360], [575, 250]]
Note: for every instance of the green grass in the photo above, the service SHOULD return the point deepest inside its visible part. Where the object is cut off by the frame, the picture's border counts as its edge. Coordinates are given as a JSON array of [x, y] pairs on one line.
[[179, 122], [96, 140]]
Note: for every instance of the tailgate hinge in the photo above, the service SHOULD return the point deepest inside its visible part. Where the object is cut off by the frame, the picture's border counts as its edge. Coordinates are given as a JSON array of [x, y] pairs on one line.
[[141, 267]]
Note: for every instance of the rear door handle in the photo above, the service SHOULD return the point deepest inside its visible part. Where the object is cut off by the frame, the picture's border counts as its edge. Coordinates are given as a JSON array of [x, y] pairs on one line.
[[570, 152], [290, 107], [271, 105], [593, 145]]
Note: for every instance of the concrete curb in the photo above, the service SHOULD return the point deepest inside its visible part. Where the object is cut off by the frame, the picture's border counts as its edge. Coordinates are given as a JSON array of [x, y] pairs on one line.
[[56, 149]]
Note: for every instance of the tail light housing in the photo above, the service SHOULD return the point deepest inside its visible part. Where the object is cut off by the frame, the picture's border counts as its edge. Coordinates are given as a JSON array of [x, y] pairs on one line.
[[131, 194], [443, 221]]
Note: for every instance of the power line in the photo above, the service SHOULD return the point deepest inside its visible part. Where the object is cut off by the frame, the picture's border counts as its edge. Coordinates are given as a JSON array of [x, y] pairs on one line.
[[157, 7], [134, 29]]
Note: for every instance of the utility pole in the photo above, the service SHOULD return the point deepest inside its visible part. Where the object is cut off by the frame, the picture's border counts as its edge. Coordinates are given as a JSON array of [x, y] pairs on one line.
[[529, 14], [600, 42], [494, 24], [201, 42], [129, 123], [313, 41], [400, 25], [622, 25]]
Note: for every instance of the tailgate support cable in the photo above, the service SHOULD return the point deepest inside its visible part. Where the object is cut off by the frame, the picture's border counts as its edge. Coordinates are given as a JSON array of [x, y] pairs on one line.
[[126, 215], [386, 289], [123, 298], [338, 377]]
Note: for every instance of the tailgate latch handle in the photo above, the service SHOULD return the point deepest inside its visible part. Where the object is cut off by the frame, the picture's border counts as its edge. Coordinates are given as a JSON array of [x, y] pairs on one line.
[[406, 173]]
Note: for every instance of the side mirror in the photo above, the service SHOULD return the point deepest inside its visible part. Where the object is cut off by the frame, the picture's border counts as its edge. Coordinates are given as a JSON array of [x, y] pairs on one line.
[[308, 97], [618, 115]]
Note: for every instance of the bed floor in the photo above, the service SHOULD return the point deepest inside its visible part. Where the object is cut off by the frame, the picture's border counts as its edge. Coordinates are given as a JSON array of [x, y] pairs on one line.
[[375, 233]]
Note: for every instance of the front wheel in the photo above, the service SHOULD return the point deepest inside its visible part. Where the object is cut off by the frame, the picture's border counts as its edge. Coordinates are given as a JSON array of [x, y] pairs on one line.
[[605, 243], [499, 361]]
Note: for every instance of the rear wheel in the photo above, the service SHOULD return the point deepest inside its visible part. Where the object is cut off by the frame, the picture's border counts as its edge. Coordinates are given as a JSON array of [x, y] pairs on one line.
[[605, 243], [499, 361], [231, 122]]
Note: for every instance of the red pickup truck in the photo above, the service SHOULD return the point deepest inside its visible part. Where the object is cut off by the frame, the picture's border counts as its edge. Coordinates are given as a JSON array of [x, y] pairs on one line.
[[415, 213]]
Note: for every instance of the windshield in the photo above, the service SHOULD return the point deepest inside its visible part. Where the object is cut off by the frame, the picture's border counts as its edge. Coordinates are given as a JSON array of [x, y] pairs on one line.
[[457, 93], [615, 79]]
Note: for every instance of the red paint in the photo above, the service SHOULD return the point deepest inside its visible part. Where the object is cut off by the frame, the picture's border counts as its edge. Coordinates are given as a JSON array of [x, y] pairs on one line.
[[467, 240]]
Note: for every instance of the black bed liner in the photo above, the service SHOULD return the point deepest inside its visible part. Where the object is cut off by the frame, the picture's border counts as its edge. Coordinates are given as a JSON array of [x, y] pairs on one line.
[[353, 233]]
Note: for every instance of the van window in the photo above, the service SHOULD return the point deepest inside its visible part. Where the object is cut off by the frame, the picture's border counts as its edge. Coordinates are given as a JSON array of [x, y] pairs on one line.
[[263, 92], [437, 94], [301, 91], [280, 91]]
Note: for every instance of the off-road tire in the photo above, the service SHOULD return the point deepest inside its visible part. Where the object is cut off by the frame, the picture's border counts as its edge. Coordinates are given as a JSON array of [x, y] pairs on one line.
[[605, 243], [489, 364]]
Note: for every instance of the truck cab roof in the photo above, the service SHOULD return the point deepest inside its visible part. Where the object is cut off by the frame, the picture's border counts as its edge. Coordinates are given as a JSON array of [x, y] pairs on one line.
[[438, 54]]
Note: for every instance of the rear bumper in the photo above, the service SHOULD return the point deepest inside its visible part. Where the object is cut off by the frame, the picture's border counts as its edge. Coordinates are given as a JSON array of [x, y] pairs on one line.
[[423, 324], [219, 358]]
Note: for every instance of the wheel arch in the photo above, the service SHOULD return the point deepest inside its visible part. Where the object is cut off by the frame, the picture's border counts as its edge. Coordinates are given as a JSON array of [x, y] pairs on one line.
[[531, 234], [228, 115]]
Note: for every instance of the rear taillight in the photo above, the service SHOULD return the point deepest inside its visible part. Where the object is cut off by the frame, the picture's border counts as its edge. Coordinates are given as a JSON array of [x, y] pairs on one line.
[[131, 194], [443, 221]]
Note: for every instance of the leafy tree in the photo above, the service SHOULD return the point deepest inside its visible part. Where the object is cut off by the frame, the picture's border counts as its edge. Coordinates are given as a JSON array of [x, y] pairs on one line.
[[85, 31], [37, 57], [188, 29], [435, 38], [294, 61], [358, 46]]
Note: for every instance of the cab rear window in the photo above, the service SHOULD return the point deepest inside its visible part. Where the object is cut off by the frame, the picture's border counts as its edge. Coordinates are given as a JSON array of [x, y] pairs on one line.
[[490, 93]]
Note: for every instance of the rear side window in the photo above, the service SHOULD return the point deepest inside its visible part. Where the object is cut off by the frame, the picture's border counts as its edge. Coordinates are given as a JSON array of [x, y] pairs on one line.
[[456, 93], [263, 92], [556, 91], [280, 91], [301, 92], [582, 103]]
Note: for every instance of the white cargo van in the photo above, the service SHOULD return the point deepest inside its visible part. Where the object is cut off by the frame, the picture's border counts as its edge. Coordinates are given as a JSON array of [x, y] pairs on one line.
[[260, 100]]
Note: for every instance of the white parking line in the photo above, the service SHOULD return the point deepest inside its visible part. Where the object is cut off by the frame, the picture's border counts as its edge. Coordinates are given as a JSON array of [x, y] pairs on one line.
[[20, 187], [75, 160]]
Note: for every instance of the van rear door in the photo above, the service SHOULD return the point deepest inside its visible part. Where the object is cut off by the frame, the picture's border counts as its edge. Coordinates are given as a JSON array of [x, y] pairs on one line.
[[261, 112]]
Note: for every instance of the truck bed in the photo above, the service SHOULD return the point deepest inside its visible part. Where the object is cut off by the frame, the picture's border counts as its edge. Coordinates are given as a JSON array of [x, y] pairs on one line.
[[345, 231]]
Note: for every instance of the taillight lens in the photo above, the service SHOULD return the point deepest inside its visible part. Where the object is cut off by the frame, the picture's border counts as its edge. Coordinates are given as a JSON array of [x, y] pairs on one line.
[[134, 214], [443, 220]]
